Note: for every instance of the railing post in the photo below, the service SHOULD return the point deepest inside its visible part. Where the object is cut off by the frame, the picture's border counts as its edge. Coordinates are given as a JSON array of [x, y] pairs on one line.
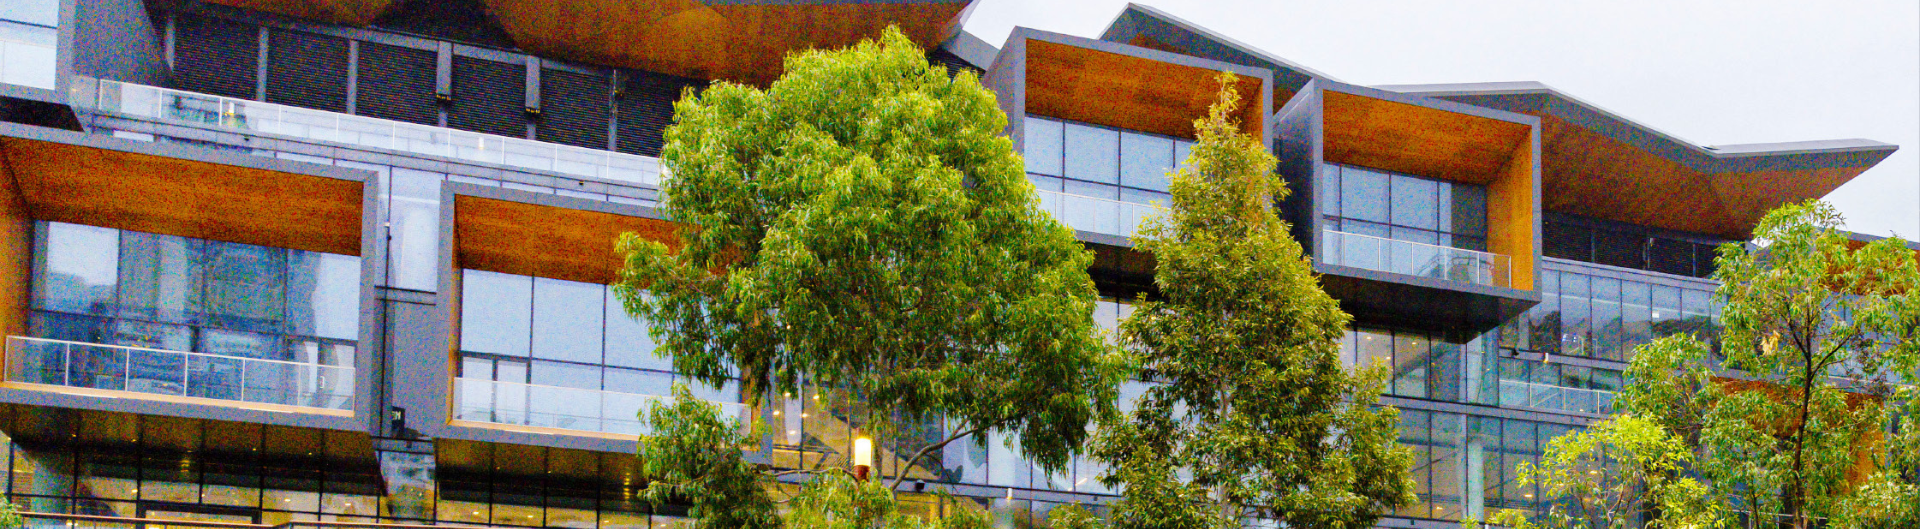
[[186, 372], [66, 364], [242, 393]]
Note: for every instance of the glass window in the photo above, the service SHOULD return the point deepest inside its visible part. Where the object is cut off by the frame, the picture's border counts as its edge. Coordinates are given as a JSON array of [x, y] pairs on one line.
[[1466, 210], [1410, 360], [1042, 143], [1444, 375], [324, 292], [567, 320], [639, 382], [628, 344], [78, 268], [1044, 183], [1145, 160], [1328, 190], [158, 276], [1181, 150], [240, 344], [37, 12], [414, 229], [1092, 154], [1447, 465], [1376, 347], [565, 374], [1090, 189], [1363, 195], [1416, 433], [495, 313], [1415, 202], [1575, 313], [1140, 196], [244, 286]]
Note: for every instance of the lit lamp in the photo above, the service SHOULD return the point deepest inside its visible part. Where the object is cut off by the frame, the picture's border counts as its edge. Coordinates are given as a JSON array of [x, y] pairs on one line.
[[862, 458]]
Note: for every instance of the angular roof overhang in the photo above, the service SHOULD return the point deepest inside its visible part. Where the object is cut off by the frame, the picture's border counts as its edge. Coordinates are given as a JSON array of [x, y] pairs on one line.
[[1597, 164], [1151, 28], [571, 240], [1117, 85], [735, 40]]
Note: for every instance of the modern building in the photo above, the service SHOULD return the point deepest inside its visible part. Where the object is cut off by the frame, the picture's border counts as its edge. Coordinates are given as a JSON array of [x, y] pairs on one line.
[[327, 262]]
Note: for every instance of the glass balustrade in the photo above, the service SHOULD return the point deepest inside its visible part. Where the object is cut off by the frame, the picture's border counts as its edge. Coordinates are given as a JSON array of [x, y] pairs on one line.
[[1551, 397], [589, 410], [161, 104], [1412, 258], [27, 54], [1097, 215], [178, 373]]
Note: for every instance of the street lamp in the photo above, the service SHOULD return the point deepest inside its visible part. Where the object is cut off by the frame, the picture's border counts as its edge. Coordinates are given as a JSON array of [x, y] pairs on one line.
[[862, 457]]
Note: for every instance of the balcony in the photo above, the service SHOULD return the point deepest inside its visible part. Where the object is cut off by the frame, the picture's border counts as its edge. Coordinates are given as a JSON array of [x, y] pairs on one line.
[[178, 373], [27, 54], [202, 110], [1415, 259], [1557, 398], [1097, 215], [587, 410]]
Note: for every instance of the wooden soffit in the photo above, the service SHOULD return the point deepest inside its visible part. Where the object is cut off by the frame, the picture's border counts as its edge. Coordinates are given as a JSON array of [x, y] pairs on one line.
[[350, 12], [545, 241], [189, 198], [1127, 92], [1589, 174], [1414, 139], [743, 41]]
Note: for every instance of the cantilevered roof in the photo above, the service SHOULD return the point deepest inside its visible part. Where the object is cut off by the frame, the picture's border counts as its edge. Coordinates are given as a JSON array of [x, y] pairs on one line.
[[1151, 28], [737, 40], [352, 12], [1599, 164]]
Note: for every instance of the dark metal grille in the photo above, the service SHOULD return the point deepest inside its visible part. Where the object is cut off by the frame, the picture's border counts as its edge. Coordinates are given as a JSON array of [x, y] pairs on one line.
[[489, 97], [216, 56], [575, 109], [397, 83], [307, 70], [647, 109]]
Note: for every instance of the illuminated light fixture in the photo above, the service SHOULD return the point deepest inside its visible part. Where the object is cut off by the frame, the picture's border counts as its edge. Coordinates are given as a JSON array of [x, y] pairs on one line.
[[862, 458]]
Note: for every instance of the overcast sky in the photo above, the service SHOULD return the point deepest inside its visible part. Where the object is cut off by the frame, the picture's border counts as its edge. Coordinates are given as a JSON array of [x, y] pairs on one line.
[[1709, 72]]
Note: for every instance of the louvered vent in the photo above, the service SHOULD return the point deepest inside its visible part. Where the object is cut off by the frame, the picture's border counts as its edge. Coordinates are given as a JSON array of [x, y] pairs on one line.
[[489, 97], [1619, 248], [307, 70], [647, 109], [216, 56], [1668, 256], [574, 109], [1703, 255], [397, 83], [1565, 240]]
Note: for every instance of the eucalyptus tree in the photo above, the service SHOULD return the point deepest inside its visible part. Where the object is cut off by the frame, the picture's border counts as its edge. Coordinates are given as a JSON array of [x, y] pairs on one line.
[[1250, 413]]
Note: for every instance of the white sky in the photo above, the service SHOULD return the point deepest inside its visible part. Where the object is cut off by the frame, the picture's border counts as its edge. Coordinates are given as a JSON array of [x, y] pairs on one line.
[[1709, 72]]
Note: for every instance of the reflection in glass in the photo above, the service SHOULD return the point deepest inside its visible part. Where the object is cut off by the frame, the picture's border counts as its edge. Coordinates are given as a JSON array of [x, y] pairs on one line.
[[1092, 154], [1042, 144], [496, 312], [566, 320], [77, 269]]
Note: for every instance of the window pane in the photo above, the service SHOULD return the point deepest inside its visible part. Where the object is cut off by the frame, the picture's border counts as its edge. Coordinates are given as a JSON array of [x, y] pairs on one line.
[[1410, 364], [1145, 160], [495, 313], [1415, 202], [1181, 150], [566, 320], [414, 205], [244, 286], [628, 344], [1363, 194], [1443, 375], [639, 382], [157, 276], [1044, 183], [1447, 476], [1089, 189], [1376, 348], [1042, 143], [1136, 196], [324, 290], [78, 268], [1468, 210], [565, 375], [240, 344], [1092, 154], [1329, 189]]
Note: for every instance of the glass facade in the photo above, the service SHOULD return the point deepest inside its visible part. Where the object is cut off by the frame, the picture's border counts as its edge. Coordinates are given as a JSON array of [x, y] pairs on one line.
[[1464, 464], [1604, 314], [545, 352], [29, 42], [1403, 207], [132, 311], [1099, 179]]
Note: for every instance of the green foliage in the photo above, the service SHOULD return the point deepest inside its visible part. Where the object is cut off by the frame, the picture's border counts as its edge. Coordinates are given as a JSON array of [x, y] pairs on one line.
[[862, 224], [10, 516], [1074, 516], [1613, 475], [1817, 340], [834, 500], [693, 456], [1255, 416]]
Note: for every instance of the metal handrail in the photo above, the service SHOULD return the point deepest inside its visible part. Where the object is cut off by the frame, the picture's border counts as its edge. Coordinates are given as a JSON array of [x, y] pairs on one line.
[[16, 356], [1109, 216], [1482, 268], [1602, 399], [151, 102], [219, 525]]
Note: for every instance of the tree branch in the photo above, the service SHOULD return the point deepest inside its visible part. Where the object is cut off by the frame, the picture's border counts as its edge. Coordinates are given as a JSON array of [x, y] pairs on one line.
[[908, 466]]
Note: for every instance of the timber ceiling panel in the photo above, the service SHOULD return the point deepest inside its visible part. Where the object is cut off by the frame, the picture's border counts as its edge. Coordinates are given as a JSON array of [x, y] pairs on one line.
[[351, 12], [173, 196], [545, 241], [1588, 174], [744, 41], [1281, 93], [1418, 140], [1092, 86]]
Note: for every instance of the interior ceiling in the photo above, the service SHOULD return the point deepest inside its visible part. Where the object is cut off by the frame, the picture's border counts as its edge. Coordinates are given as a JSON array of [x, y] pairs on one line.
[[1414, 139], [1589, 174], [713, 39], [351, 12], [545, 241], [1092, 86], [174, 196]]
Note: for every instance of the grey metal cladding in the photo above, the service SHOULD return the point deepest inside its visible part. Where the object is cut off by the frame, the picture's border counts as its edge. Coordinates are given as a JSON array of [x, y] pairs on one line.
[[396, 83], [488, 97], [307, 70], [575, 108], [216, 56], [647, 109]]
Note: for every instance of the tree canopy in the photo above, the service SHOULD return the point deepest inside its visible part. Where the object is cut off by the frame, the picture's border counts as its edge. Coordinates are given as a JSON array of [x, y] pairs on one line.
[[863, 224], [1250, 412]]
